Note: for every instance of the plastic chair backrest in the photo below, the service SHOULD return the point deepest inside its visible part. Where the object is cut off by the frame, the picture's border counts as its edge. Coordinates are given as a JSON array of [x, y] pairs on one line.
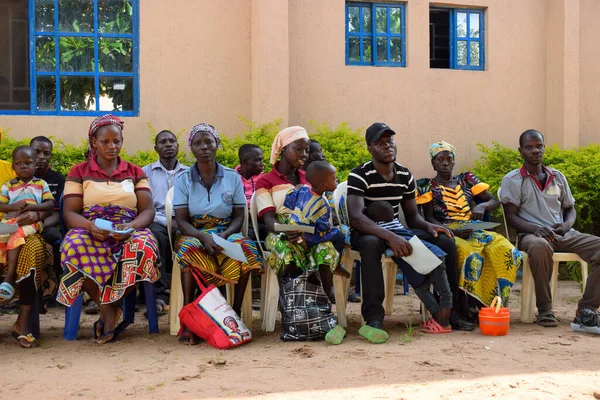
[[169, 214], [245, 223], [254, 220], [339, 196]]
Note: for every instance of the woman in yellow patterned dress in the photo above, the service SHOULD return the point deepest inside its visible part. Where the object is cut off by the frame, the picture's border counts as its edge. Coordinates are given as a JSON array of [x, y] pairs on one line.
[[488, 262]]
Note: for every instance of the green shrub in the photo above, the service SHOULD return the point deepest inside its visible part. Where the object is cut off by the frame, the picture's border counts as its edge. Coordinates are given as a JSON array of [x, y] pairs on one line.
[[581, 166]]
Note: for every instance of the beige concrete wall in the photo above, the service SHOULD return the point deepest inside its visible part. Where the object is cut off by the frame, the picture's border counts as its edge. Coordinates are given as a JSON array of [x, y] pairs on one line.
[[589, 45], [194, 67]]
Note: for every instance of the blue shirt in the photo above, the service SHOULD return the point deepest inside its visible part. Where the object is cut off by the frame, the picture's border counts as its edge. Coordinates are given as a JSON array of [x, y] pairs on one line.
[[225, 193], [161, 181]]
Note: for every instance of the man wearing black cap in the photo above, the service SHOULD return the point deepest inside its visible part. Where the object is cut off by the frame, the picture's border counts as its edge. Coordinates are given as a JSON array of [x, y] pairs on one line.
[[383, 179]]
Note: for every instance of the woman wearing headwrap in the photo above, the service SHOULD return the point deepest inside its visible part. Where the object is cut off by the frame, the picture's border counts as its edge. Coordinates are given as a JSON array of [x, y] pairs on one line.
[[30, 268], [290, 147], [209, 199], [488, 262], [106, 265]]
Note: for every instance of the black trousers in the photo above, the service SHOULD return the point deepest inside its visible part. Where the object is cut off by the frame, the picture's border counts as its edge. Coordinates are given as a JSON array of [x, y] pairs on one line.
[[371, 249], [164, 254], [53, 236]]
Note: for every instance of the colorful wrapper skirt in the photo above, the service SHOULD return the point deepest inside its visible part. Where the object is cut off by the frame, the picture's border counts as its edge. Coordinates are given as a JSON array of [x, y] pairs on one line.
[[32, 260], [114, 266], [218, 269]]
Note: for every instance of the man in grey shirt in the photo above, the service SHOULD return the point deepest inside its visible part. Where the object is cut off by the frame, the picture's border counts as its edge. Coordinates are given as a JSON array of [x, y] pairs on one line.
[[538, 203], [161, 176]]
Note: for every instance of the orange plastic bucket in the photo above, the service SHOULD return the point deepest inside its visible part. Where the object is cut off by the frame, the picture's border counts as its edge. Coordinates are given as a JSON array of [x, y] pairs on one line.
[[494, 321]]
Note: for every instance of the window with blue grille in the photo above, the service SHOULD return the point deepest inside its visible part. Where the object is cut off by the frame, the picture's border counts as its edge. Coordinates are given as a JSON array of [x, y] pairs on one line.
[[456, 38], [375, 34], [83, 58]]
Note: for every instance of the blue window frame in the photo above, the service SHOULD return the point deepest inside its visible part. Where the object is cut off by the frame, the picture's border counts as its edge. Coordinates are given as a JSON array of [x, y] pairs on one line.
[[375, 34], [467, 44], [84, 57]]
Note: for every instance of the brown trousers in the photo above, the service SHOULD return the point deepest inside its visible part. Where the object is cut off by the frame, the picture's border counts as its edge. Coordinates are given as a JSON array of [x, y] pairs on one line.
[[540, 253]]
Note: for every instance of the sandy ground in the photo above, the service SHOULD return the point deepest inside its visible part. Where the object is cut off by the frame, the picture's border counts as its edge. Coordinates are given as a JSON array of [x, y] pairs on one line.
[[530, 362]]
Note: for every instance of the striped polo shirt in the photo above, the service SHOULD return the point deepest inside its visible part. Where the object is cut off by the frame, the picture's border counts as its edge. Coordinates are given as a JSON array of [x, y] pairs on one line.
[[36, 191], [88, 181], [364, 181]]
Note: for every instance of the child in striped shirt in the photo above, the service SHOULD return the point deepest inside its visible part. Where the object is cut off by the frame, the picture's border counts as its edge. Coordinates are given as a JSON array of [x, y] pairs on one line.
[[22, 194]]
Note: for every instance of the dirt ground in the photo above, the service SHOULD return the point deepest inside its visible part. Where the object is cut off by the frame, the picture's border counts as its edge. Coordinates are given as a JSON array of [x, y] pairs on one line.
[[530, 362]]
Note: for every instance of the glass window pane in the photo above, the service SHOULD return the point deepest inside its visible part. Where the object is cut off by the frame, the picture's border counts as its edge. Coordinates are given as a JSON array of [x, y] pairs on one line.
[[77, 93], [474, 54], [115, 16], [367, 50], [367, 20], [76, 54], [115, 55], [44, 15], [44, 53], [354, 49], [353, 23], [382, 49], [396, 50], [381, 16], [116, 94], [46, 93], [474, 25], [461, 53], [395, 20], [76, 15], [461, 24]]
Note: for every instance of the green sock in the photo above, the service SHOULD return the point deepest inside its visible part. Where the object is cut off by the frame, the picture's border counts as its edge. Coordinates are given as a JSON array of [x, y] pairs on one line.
[[373, 335], [336, 335]]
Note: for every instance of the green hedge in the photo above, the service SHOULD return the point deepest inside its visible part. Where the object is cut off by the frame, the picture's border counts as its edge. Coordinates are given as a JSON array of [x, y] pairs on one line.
[[343, 146]]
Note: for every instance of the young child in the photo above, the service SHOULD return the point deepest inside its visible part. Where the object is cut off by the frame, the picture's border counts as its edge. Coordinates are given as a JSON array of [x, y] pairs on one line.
[[382, 213], [24, 193]]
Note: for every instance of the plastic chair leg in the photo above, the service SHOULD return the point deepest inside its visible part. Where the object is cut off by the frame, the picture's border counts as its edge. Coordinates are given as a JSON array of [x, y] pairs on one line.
[[150, 296], [389, 278], [176, 300], [527, 293], [406, 286], [247, 305], [357, 279], [72, 317], [584, 275]]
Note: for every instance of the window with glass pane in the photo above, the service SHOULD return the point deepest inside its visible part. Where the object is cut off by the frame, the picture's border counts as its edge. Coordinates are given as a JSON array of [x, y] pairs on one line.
[[85, 59], [468, 44], [14, 55], [375, 34]]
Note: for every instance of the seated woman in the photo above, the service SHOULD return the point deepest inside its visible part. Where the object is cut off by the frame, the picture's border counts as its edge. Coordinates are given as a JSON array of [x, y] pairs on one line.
[[291, 148], [30, 269], [209, 199], [488, 261], [106, 265]]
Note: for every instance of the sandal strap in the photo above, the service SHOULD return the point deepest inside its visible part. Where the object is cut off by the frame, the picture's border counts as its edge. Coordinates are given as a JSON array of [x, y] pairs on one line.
[[29, 338]]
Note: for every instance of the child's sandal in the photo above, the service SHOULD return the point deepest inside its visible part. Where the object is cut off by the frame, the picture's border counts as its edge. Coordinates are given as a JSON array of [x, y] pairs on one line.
[[433, 327]]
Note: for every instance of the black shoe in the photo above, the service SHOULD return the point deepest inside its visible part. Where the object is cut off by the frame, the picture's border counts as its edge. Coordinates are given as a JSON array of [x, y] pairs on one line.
[[354, 298], [377, 324], [459, 324]]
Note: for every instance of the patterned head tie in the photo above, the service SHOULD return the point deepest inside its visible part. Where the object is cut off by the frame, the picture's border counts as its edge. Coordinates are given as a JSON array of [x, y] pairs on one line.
[[285, 137], [440, 146], [204, 128], [98, 123]]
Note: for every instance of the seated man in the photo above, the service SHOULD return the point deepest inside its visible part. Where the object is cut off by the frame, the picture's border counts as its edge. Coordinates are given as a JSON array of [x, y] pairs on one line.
[[42, 146], [538, 203], [383, 179], [161, 176]]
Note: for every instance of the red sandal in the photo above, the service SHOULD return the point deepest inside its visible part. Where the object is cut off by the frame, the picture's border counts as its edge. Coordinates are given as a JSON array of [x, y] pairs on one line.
[[433, 327]]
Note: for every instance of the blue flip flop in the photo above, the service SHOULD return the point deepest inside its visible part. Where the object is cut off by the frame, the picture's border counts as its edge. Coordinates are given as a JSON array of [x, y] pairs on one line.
[[7, 291]]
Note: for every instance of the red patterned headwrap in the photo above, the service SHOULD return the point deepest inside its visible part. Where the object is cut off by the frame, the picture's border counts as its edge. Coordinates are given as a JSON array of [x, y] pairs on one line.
[[99, 122]]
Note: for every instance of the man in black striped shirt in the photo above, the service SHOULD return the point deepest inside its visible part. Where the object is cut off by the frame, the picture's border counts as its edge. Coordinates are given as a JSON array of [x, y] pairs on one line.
[[383, 179]]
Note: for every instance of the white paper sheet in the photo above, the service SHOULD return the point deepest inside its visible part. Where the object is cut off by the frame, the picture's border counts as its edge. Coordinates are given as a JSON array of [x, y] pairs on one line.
[[5, 229], [422, 259], [108, 226], [479, 225], [294, 228], [230, 249]]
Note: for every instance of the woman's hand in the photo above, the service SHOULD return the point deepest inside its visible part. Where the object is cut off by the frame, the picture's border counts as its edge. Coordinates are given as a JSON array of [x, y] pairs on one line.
[[223, 235], [477, 212], [463, 234], [97, 233], [211, 247], [123, 227]]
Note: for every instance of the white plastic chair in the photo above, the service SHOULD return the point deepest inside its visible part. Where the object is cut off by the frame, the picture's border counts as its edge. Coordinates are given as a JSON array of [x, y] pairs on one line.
[[528, 289], [269, 286], [341, 288], [176, 299]]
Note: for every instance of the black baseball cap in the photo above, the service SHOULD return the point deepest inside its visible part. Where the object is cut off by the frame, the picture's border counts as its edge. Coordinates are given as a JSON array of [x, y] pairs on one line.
[[375, 131]]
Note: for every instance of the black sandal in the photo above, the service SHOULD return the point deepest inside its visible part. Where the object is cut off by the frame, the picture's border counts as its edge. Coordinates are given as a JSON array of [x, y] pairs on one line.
[[546, 319]]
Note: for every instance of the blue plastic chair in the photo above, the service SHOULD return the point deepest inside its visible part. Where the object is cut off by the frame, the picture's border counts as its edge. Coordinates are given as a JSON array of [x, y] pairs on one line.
[[73, 313]]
